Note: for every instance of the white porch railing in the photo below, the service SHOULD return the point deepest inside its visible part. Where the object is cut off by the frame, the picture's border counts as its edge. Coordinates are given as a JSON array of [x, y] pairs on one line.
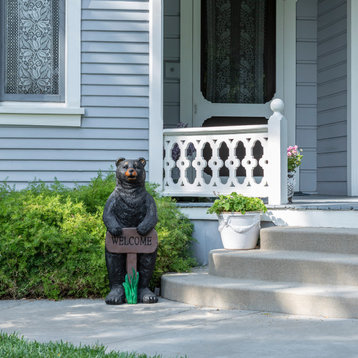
[[250, 160]]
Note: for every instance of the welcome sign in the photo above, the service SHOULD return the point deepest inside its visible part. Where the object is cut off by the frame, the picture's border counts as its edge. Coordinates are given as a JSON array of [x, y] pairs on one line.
[[130, 242]]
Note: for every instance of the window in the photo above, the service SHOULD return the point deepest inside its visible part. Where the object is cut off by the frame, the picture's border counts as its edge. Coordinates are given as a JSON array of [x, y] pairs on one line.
[[40, 63], [33, 50]]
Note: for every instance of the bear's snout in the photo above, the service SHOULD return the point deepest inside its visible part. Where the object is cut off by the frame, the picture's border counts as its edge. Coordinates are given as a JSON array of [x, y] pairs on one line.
[[131, 174]]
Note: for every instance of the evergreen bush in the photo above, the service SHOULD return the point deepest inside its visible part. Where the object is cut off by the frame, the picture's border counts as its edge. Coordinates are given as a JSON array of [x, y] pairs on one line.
[[52, 240]]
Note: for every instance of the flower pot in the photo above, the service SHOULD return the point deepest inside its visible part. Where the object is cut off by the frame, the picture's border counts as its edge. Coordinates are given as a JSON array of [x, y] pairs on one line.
[[291, 183], [239, 231]]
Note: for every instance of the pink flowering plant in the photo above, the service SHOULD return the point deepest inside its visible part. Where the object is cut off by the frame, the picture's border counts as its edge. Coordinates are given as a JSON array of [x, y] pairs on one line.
[[294, 158]]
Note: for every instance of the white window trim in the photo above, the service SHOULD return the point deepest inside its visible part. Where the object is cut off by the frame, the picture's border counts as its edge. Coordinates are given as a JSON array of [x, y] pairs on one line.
[[67, 114]]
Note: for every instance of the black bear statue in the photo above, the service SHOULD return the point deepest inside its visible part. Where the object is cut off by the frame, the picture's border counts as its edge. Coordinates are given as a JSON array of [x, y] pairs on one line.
[[130, 205]]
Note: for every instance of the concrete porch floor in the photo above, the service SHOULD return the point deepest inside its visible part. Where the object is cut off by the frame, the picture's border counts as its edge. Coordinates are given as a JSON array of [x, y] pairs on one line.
[[300, 202], [320, 202], [176, 329]]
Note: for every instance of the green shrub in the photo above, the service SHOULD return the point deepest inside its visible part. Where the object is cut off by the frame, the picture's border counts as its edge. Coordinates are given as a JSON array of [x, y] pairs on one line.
[[52, 240]]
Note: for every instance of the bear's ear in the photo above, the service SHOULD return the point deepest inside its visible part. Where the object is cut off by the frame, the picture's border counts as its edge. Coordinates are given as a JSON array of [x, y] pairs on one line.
[[143, 161], [119, 160]]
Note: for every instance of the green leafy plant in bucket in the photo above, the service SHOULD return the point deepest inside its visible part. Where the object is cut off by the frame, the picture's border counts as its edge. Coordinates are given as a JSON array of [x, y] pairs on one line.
[[238, 203], [131, 287]]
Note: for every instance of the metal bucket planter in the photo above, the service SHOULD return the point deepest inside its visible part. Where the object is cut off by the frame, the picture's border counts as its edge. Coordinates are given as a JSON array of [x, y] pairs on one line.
[[239, 231], [291, 183]]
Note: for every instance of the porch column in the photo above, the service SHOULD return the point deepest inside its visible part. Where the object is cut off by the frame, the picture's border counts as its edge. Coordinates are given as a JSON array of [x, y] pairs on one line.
[[352, 97], [277, 154], [156, 92]]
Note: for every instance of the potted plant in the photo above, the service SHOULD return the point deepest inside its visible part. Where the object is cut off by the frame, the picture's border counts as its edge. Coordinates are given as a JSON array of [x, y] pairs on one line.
[[294, 159], [239, 220]]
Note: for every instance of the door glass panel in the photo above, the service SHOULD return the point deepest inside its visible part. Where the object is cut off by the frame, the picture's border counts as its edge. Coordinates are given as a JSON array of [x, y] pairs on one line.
[[238, 50]]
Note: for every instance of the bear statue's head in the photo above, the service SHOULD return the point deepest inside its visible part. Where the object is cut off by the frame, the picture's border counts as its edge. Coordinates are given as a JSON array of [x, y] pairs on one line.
[[130, 173]]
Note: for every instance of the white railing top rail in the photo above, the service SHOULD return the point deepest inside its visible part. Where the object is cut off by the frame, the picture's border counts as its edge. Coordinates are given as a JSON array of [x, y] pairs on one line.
[[256, 128]]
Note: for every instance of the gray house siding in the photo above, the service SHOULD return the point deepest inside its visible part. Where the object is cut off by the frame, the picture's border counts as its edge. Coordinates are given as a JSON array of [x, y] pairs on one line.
[[332, 97], [306, 92], [115, 57], [171, 91]]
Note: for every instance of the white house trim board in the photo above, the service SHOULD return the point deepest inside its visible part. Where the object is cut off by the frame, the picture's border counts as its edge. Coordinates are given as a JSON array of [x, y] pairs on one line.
[[186, 65], [55, 114], [352, 98], [73, 53], [289, 67], [156, 92]]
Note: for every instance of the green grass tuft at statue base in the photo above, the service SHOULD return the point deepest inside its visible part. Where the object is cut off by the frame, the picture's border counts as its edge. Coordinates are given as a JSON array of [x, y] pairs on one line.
[[131, 287]]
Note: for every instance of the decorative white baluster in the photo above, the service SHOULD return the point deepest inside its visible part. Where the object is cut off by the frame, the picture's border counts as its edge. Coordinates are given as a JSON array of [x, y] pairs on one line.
[[264, 161], [199, 163], [232, 162]]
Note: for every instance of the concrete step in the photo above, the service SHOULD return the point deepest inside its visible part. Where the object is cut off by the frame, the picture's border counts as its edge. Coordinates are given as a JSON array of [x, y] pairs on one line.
[[206, 290], [334, 240], [286, 266]]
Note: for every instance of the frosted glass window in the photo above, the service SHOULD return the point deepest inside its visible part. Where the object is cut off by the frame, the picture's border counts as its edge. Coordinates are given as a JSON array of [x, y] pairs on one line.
[[33, 50]]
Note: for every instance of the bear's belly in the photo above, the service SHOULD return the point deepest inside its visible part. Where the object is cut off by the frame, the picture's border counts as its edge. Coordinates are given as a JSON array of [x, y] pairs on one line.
[[131, 213]]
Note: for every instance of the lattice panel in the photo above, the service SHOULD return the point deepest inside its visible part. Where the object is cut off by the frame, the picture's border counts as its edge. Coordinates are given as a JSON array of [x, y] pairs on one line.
[[205, 165]]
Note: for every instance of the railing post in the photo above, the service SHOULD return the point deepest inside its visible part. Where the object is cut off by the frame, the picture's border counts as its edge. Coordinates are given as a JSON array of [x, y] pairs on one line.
[[277, 150]]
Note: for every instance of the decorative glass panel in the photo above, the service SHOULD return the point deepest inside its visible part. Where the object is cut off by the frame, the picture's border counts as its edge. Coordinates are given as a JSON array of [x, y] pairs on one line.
[[32, 47], [238, 50]]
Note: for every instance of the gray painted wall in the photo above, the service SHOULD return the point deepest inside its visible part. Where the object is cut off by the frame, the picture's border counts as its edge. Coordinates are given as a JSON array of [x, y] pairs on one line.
[[114, 93], [306, 95], [332, 97], [171, 93]]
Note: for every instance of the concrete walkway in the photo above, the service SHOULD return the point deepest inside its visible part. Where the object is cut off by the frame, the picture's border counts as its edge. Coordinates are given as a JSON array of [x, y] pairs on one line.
[[172, 329]]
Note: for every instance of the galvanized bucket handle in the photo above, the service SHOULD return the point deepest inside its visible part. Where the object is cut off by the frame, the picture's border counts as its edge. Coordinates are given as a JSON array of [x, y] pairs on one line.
[[225, 222]]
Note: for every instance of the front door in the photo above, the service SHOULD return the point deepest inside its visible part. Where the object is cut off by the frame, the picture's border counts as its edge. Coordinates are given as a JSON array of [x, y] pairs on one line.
[[232, 62]]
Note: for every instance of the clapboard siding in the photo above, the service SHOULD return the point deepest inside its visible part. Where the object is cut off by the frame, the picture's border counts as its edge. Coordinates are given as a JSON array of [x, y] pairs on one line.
[[67, 133], [20, 165], [171, 93], [115, 25], [59, 156], [115, 101], [98, 122], [136, 58], [113, 36], [115, 5], [123, 79], [116, 90], [115, 95], [332, 97], [75, 144], [119, 15], [111, 47], [306, 92]]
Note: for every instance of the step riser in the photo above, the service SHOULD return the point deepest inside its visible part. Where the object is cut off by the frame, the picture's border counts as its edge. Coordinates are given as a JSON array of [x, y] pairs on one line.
[[260, 301], [261, 268], [344, 241]]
